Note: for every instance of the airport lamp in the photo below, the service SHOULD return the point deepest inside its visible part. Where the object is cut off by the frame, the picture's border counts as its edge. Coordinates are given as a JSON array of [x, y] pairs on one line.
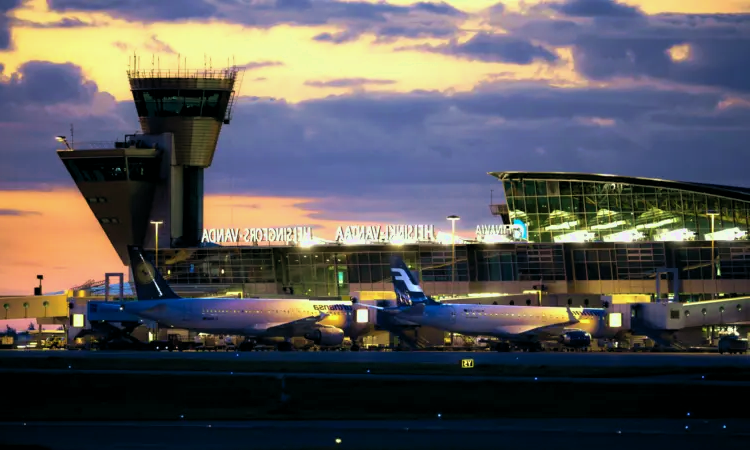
[[453, 220], [64, 141], [156, 224], [712, 214]]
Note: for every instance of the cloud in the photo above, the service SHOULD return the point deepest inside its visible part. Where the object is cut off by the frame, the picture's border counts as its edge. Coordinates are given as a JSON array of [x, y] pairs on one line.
[[385, 20], [612, 41], [348, 82], [18, 212], [254, 65], [65, 22], [595, 8], [489, 47], [152, 45], [419, 156], [6, 6], [41, 101]]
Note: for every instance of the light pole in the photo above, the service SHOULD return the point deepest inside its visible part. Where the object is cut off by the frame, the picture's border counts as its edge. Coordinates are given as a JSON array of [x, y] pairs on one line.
[[453, 220], [156, 224], [712, 214], [64, 141]]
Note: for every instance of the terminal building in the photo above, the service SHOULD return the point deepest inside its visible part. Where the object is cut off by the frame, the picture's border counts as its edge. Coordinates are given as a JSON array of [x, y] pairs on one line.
[[559, 238]]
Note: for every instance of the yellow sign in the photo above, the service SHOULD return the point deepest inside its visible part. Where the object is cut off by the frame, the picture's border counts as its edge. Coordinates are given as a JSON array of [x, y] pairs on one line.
[[467, 363]]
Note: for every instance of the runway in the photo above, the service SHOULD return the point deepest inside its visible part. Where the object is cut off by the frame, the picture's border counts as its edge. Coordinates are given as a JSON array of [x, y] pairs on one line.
[[671, 379], [395, 435], [585, 359]]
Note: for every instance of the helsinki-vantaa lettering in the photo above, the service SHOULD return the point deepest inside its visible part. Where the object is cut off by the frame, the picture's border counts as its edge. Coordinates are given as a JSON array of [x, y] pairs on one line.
[[278, 234], [511, 232], [388, 233]]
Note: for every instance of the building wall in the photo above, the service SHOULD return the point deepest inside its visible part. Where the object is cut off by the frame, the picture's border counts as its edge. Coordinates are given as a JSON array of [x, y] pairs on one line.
[[592, 268]]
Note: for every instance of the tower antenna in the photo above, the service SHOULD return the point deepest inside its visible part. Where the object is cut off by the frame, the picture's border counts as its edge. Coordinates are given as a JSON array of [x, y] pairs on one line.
[[72, 137], [152, 64], [178, 64]]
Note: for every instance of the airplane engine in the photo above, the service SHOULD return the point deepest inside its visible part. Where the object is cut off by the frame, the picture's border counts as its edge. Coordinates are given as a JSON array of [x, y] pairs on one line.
[[576, 339], [327, 337]]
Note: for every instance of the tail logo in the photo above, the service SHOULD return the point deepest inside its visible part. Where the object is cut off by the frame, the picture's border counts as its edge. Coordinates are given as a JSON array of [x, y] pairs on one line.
[[520, 231], [403, 276], [144, 273]]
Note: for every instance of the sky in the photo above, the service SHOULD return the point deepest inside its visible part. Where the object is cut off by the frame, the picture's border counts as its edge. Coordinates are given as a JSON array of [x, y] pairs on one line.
[[367, 112]]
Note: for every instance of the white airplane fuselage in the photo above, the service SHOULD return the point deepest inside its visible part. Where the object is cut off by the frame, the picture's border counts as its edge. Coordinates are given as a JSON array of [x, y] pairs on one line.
[[246, 317], [505, 321]]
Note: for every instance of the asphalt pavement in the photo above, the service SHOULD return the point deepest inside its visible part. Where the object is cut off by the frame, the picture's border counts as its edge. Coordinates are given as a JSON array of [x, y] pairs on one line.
[[585, 359], [393, 435]]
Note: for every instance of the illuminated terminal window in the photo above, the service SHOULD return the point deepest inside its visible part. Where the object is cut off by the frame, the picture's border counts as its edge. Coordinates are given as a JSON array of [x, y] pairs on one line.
[[615, 320], [78, 320]]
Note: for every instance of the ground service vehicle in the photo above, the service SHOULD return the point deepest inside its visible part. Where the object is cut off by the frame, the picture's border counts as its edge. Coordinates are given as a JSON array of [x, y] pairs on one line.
[[732, 344]]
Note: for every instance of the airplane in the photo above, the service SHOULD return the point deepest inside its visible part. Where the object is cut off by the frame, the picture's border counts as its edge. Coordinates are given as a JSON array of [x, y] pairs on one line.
[[524, 326], [326, 323]]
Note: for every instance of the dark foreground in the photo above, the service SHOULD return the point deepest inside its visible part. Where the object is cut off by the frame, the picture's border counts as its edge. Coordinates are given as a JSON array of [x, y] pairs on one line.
[[392, 435], [88, 395]]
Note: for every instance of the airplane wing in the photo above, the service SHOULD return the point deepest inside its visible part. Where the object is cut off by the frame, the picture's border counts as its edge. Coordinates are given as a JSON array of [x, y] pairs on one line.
[[529, 330], [297, 327]]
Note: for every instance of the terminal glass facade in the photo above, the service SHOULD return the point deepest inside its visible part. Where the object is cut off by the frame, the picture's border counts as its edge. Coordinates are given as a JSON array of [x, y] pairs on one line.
[[556, 208], [321, 271], [331, 271]]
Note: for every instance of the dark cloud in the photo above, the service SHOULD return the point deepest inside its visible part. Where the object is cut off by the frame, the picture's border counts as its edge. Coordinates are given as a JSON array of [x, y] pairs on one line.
[[491, 47], [18, 212], [348, 82], [385, 20], [422, 155], [66, 22], [46, 83], [40, 102], [608, 42], [6, 6], [595, 8]]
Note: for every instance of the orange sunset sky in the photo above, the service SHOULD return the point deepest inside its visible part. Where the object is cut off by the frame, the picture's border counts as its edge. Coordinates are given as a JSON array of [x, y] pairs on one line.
[[365, 113]]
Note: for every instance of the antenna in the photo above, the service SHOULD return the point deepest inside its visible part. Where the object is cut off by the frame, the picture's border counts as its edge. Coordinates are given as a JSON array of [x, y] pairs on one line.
[[178, 64], [210, 64], [158, 64], [72, 137], [152, 64]]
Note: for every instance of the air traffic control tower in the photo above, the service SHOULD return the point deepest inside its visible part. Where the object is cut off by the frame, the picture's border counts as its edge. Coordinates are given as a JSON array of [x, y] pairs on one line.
[[157, 176]]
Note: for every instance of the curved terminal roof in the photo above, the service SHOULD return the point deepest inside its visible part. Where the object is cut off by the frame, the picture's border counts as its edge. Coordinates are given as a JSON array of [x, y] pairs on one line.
[[735, 193]]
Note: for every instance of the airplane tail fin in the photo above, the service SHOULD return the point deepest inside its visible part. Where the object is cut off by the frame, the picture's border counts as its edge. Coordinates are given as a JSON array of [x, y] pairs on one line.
[[149, 284], [571, 317], [408, 291]]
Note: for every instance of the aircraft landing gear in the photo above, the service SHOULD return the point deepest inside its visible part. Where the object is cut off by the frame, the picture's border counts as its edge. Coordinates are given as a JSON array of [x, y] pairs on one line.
[[503, 347], [285, 346], [354, 347], [246, 346]]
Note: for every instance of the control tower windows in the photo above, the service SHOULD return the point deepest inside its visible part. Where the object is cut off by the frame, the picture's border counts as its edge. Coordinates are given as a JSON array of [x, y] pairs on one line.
[[97, 169], [181, 103], [143, 169]]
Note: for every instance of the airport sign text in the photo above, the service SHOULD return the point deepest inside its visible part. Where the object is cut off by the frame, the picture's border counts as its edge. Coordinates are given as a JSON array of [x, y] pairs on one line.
[[387, 233], [332, 307], [276, 234], [516, 231]]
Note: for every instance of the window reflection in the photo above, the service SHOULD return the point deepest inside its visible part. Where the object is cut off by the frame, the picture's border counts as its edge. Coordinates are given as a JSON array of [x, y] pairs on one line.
[[592, 211], [97, 169], [182, 103]]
